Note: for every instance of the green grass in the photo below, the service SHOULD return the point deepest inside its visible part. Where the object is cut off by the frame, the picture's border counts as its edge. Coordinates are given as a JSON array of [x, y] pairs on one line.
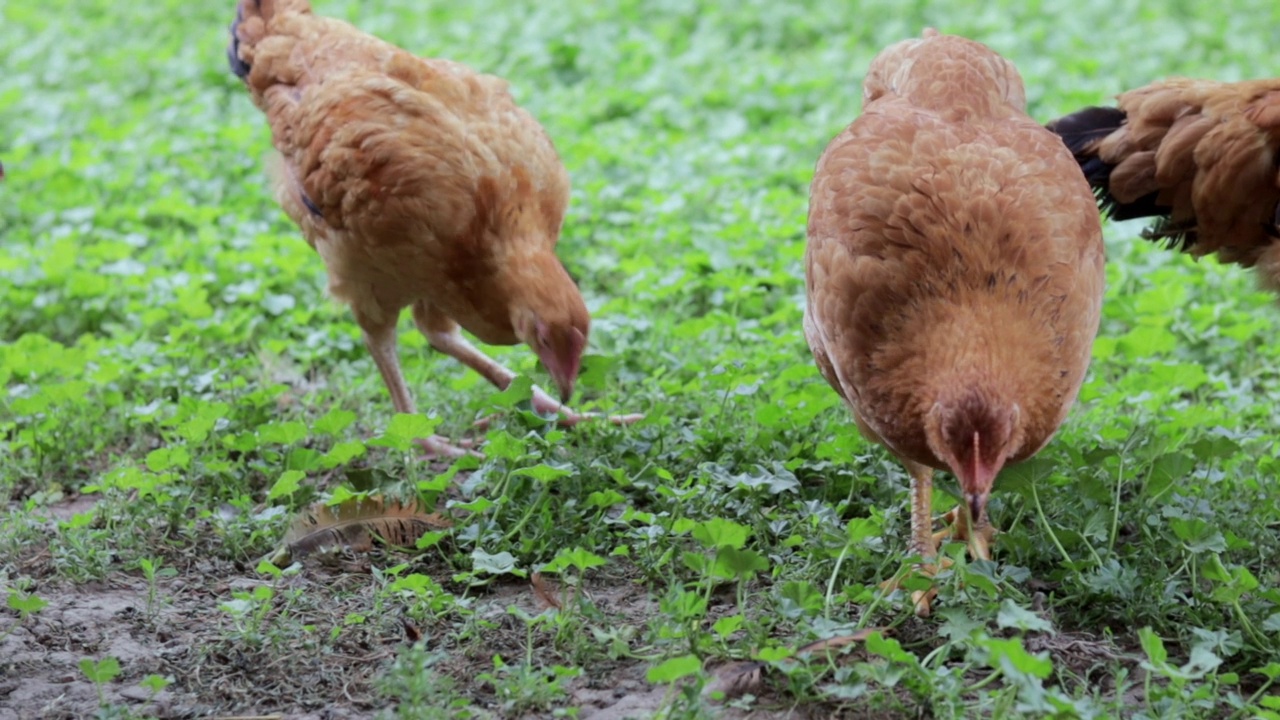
[[169, 354]]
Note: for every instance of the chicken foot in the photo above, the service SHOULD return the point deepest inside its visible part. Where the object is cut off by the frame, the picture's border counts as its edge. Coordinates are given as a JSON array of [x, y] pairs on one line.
[[978, 536], [923, 542], [380, 339], [443, 334]]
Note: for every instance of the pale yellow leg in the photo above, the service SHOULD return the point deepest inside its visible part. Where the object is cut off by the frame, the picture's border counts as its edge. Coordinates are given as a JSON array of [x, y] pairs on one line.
[[380, 338], [923, 542], [443, 334]]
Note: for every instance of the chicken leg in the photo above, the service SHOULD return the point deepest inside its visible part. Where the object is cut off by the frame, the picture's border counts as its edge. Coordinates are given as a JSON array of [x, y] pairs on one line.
[[443, 334], [923, 542], [380, 339]]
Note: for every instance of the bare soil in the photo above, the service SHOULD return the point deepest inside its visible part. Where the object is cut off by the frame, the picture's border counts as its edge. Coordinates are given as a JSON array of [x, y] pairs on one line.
[[306, 658]]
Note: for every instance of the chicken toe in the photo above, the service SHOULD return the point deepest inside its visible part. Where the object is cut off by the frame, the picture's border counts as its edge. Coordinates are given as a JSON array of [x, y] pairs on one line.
[[978, 536], [546, 405], [436, 446]]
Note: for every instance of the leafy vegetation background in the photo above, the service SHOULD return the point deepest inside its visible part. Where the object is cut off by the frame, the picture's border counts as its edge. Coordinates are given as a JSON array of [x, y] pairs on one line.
[[176, 384]]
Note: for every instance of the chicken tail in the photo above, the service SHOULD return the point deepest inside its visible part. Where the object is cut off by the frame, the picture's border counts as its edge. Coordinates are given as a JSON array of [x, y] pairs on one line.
[[250, 26], [1199, 157], [1083, 133]]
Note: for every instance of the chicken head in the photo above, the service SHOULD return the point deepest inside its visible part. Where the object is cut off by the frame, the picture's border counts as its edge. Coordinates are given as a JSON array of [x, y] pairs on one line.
[[974, 436]]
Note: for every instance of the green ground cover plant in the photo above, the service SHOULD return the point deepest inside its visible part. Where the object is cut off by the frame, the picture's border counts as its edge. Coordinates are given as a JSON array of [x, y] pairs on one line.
[[177, 386]]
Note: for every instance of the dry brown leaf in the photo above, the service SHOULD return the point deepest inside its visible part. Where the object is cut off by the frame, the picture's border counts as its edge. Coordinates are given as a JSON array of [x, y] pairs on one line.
[[411, 631], [356, 524], [839, 641], [544, 591]]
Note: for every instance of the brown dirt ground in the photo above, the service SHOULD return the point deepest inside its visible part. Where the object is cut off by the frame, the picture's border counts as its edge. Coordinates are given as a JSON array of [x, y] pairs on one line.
[[294, 670], [217, 673]]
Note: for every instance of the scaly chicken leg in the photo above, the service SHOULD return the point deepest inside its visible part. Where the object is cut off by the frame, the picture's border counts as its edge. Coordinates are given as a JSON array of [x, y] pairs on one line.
[[443, 334], [923, 542], [380, 339]]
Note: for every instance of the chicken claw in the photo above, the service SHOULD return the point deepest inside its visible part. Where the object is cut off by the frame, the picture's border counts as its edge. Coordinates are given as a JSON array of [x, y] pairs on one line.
[[925, 542], [544, 404], [436, 446], [443, 335], [979, 537], [921, 599]]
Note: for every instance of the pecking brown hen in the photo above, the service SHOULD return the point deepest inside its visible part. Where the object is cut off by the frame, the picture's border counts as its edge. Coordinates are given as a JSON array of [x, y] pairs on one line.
[[421, 184], [954, 271], [1201, 156]]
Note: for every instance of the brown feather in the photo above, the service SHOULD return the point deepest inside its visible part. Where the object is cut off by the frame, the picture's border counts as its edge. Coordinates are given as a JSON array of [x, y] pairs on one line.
[[544, 591], [356, 524], [1202, 157], [1134, 177]]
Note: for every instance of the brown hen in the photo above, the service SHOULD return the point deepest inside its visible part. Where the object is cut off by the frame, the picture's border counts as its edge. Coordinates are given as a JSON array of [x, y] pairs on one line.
[[421, 184], [954, 272], [1201, 156]]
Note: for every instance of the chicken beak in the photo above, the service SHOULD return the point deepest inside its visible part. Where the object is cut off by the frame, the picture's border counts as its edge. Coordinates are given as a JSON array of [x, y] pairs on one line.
[[563, 372], [977, 505], [976, 481], [566, 391]]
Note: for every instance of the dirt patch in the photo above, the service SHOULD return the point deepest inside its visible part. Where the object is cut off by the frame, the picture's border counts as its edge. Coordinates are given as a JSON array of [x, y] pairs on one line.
[[318, 645], [40, 674], [214, 664], [322, 640]]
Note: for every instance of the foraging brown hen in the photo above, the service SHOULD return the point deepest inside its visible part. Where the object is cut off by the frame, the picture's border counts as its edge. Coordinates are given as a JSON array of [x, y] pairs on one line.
[[1201, 156], [954, 271], [421, 184]]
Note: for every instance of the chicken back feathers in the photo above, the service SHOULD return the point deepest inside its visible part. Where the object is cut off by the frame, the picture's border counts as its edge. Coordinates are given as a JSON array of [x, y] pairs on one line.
[[1201, 156], [413, 178], [954, 260]]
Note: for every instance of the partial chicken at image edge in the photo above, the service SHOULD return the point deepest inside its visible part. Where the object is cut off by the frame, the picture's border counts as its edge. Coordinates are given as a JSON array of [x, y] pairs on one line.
[[954, 275], [421, 184], [1200, 156]]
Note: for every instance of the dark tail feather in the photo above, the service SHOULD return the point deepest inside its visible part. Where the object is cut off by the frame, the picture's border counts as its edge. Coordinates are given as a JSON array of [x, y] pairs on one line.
[[238, 66], [1172, 234], [1082, 128], [1081, 132]]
